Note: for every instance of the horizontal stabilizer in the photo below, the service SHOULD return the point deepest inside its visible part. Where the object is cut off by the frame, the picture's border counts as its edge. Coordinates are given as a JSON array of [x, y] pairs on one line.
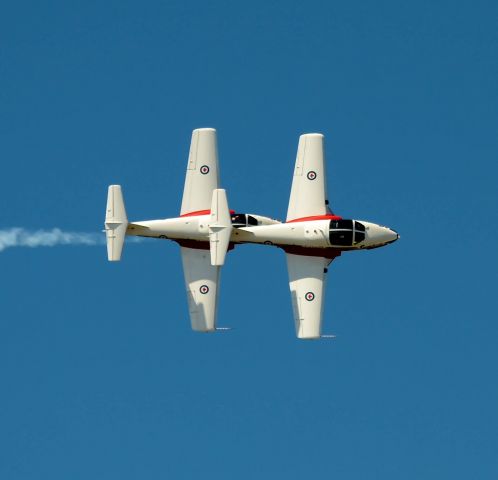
[[116, 223], [220, 227]]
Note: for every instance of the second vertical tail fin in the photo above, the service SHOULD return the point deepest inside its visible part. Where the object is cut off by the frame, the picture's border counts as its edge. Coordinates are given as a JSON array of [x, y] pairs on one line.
[[116, 223]]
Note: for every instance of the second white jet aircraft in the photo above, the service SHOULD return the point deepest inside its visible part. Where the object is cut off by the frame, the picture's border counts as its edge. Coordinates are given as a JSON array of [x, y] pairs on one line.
[[312, 236]]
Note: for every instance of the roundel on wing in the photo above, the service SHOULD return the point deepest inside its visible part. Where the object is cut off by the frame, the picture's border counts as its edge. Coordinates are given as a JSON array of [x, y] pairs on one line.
[[311, 175], [204, 289], [310, 296], [204, 169]]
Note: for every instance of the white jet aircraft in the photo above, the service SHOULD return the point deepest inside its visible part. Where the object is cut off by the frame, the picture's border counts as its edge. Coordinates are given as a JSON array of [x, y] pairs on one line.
[[312, 235], [203, 229]]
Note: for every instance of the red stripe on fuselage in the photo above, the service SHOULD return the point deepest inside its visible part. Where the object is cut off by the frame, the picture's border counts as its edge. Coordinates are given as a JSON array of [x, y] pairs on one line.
[[198, 212], [201, 212], [316, 217]]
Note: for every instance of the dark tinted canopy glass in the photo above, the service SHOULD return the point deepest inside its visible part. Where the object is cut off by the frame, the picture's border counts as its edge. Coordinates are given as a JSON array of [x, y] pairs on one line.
[[243, 220], [358, 236], [342, 238], [239, 219], [341, 224], [359, 227]]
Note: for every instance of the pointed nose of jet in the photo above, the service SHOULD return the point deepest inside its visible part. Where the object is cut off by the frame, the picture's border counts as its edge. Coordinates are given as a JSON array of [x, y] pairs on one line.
[[385, 235], [379, 235], [393, 236]]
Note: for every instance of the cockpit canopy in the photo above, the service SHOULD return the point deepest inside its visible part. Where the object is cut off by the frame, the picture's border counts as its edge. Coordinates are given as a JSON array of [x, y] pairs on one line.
[[243, 220], [346, 233]]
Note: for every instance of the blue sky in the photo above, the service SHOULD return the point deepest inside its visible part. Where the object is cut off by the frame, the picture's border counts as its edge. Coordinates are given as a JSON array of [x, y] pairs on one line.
[[101, 376]]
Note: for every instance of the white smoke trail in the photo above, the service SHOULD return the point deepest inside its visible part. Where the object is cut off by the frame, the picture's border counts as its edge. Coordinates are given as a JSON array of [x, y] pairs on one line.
[[20, 237]]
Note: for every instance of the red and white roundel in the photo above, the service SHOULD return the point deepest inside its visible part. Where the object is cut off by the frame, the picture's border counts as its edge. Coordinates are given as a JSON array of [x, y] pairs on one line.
[[310, 296], [204, 169], [311, 175], [204, 289]]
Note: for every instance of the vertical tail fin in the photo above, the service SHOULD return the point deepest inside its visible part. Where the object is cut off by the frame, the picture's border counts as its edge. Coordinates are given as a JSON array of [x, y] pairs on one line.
[[220, 227], [116, 223]]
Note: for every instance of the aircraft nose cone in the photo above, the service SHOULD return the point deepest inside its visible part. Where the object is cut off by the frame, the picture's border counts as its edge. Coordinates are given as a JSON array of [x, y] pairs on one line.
[[378, 235], [386, 235], [393, 235]]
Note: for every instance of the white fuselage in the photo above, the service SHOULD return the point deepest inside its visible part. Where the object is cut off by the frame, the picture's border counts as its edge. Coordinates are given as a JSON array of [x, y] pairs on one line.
[[307, 234]]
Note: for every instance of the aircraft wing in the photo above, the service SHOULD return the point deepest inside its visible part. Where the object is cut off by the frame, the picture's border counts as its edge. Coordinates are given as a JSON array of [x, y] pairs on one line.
[[307, 286], [201, 281], [309, 185], [202, 172]]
